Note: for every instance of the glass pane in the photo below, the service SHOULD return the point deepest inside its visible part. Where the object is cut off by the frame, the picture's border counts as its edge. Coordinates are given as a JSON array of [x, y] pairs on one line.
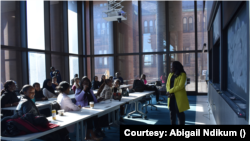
[[216, 26], [56, 26], [73, 66], [188, 62], [8, 23], [201, 26], [181, 37], [72, 27], [36, 66], [128, 68], [103, 39], [58, 63], [35, 24], [153, 66], [104, 66], [126, 33], [202, 72], [153, 40], [10, 64]]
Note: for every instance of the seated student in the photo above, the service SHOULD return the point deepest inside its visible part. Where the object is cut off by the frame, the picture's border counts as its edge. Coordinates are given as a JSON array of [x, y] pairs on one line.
[[26, 105], [39, 93], [65, 102], [48, 90], [8, 97], [114, 90], [117, 76], [83, 96], [150, 88], [112, 79], [102, 80], [54, 82], [73, 80], [76, 84], [95, 83]]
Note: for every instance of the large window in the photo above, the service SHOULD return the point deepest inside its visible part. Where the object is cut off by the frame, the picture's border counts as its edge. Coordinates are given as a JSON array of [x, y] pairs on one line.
[[190, 69], [72, 27], [202, 72], [106, 67], [153, 11], [126, 34], [58, 61], [181, 30], [9, 23], [102, 41], [37, 72], [153, 66], [73, 66], [35, 24]]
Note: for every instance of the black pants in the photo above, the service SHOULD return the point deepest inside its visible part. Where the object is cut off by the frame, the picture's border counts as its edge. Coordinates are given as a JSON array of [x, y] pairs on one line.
[[174, 110], [153, 88]]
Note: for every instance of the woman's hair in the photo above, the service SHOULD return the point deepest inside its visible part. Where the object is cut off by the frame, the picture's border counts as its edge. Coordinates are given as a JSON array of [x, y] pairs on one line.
[[51, 68], [6, 85], [117, 80], [142, 76], [104, 76], [111, 77], [81, 87], [36, 83], [47, 87], [25, 88], [102, 86], [178, 68], [63, 86]]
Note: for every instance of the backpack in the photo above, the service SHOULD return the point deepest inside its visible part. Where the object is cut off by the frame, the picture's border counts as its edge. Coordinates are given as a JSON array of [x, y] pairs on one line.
[[55, 106], [138, 86]]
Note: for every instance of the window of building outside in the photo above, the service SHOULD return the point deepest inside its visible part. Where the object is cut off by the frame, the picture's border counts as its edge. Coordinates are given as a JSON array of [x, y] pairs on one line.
[[190, 24], [184, 24], [187, 58], [72, 27], [202, 72], [35, 24], [145, 26], [105, 68], [36, 63], [151, 29]]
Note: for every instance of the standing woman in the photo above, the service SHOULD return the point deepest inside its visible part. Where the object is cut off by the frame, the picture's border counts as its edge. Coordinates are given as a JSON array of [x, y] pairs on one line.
[[48, 90], [8, 97], [177, 95]]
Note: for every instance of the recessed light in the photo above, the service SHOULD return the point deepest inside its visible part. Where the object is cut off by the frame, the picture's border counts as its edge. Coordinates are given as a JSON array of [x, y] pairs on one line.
[[13, 16]]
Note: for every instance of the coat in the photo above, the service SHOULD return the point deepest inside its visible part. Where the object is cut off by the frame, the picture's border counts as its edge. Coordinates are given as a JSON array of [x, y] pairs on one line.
[[26, 105], [179, 91], [80, 100]]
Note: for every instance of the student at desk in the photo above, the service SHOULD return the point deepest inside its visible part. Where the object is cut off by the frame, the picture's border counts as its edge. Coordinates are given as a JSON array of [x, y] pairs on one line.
[[95, 83], [54, 82], [76, 84], [83, 96], [8, 97], [150, 88], [48, 90], [26, 105], [39, 93]]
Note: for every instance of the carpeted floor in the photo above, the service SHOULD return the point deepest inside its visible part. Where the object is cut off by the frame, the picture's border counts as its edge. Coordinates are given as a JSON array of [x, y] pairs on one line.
[[160, 116]]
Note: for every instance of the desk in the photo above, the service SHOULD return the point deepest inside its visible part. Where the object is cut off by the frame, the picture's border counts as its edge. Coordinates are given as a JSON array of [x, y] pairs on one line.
[[40, 104], [78, 117]]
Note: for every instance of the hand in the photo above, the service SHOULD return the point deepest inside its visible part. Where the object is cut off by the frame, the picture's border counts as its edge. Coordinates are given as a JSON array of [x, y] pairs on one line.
[[85, 87], [167, 93], [80, 106], [170, 95]]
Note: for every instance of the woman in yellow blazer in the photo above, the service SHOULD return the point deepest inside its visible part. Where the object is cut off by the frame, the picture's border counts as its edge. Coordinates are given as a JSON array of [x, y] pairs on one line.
[[177, 95]]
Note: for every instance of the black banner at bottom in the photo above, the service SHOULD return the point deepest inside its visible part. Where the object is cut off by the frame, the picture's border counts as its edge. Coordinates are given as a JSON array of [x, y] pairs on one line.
[[133, 132]]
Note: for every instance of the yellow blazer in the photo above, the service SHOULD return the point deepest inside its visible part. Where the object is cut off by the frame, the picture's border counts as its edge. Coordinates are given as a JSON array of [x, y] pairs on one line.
[[179, 91]]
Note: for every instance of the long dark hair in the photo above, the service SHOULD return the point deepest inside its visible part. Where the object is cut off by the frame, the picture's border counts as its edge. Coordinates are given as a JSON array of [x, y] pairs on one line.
[[25, 88], [178, 67], [6, 85], [81, 87], [47, 87], [63, 86], [102, 86], [142, 76]]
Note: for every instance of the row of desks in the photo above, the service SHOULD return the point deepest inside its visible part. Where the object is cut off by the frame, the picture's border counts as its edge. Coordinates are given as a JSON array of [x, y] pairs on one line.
[[78, 117]]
